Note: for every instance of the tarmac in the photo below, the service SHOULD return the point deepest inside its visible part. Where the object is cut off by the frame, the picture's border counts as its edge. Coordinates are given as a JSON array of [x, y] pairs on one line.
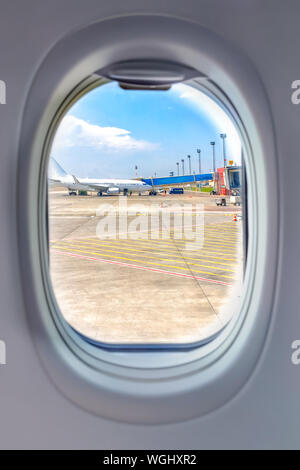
[[152, 282]]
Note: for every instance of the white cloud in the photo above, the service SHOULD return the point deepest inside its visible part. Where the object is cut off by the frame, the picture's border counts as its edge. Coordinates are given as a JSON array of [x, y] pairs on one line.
[[75, 132]]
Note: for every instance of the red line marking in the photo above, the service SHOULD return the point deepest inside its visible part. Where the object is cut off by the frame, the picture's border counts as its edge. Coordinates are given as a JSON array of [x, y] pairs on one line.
[[170, 273]]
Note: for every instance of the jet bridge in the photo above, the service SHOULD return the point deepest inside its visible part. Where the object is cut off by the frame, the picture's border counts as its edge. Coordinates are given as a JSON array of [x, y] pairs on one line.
[[178, 180]]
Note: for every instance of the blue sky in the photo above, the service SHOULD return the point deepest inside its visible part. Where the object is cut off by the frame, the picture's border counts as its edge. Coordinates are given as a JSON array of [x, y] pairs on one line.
[[109, 131]]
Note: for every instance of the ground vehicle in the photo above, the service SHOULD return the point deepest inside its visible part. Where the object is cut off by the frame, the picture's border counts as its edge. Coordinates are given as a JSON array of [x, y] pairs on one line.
[[221, 201], [236, 200], [176, 191]]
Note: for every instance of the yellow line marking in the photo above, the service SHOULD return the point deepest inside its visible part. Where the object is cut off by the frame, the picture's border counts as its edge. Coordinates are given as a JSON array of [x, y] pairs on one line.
[[177, 250], [233, 226], [151, 257], [174, 242], [228, 231], [219, 235], [222, 232], [162, 244], [222, 241], [215, 232], [151, 252], [228, 228], [171, 256], [119, 244], [207, 234], [145, 262], [210, 228], [220, 245]]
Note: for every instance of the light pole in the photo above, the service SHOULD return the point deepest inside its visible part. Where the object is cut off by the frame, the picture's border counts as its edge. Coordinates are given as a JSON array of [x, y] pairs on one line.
[[182, 161], [199, 160], [177, 163], [223, 137], [214, 156], [189, 157]]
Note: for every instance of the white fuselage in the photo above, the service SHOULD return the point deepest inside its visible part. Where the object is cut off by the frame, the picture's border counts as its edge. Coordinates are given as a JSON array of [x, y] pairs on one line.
[[108, 185]]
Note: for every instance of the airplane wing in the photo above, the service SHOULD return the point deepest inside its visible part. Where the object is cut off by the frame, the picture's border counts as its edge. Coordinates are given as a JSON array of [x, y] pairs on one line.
[[52, 180], [92, 186], [98, 187]]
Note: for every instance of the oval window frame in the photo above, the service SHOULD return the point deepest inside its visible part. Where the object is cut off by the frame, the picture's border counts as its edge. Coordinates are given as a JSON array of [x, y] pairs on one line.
[[147, 387], [205, 86]]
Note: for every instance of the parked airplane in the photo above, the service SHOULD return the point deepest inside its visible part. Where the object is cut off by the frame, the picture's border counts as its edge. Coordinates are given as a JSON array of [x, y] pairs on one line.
[[57, 175]]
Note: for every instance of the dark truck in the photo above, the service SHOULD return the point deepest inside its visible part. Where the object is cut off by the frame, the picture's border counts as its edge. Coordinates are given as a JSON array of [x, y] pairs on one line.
[[176, 191]]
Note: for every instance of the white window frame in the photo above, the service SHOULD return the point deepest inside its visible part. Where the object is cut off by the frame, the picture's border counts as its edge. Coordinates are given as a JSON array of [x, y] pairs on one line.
[[146, 386]]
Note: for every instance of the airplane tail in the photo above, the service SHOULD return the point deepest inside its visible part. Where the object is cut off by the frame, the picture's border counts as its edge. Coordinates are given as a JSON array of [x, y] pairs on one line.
[[55, 171]]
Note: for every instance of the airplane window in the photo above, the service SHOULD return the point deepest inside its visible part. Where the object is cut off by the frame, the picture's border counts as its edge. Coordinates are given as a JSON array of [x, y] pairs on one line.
[[146, 216]]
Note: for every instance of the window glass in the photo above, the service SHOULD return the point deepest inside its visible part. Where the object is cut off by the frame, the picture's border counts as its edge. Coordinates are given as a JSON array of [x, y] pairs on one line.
[[146, 216]]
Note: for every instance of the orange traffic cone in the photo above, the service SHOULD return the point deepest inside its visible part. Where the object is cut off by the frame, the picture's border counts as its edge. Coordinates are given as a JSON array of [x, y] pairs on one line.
[[234, 218]]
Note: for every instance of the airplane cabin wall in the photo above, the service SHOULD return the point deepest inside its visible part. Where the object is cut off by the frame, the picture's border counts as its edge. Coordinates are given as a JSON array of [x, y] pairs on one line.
[[34, 414]]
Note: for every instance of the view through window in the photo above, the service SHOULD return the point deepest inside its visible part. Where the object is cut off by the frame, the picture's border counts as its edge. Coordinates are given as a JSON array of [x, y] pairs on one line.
[[145, 216]]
